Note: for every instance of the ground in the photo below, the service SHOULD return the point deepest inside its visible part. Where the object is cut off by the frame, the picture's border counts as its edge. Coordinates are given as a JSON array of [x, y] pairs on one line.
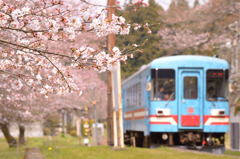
[[70, 148]]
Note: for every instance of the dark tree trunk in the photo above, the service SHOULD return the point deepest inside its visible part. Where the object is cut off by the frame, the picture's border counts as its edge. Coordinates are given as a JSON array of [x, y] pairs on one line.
[[21, 137], [12, 142]]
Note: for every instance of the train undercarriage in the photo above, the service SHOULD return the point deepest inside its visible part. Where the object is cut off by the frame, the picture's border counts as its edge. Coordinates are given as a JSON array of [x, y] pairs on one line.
[[191, 139]]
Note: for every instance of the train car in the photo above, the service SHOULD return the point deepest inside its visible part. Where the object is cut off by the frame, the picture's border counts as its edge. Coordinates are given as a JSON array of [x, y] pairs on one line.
[[177, 100]]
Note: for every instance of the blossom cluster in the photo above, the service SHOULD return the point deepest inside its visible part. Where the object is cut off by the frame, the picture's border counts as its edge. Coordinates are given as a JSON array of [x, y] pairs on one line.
[[29, 69], [103, 61]]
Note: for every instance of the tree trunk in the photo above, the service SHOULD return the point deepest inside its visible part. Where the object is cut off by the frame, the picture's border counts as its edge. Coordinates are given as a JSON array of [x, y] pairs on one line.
[[21, 136], [12, 142]]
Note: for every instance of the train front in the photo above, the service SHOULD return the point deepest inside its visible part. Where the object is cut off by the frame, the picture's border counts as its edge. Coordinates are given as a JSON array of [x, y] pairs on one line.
[[188, 101]]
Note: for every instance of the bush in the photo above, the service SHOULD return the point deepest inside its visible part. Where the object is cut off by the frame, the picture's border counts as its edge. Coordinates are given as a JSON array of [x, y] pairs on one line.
[[73, 132]]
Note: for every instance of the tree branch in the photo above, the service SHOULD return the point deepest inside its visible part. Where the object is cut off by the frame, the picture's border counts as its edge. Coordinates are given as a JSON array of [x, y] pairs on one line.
[[35, 50]]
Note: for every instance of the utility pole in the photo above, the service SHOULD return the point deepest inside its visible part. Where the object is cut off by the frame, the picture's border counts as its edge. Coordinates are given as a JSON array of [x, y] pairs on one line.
[[120, 120], [110, 44], [63, 122], [115, 122], [114, 111], [94, 108]]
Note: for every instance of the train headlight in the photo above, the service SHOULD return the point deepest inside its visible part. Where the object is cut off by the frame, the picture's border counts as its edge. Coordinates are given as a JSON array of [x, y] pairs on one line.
[[164, 136], [217, 112], [163, 111], [208, 139]]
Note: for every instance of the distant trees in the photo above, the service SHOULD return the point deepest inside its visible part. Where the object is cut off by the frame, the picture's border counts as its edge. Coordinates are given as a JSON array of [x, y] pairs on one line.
[[207, 26], [146, 22], [205, 29]]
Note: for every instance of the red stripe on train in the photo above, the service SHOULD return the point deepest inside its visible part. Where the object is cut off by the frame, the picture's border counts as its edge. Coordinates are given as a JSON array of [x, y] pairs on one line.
[[206, 117], [218, 123], [186, 120], [165, 123], [135, 118], [134, 111], [175, 117]]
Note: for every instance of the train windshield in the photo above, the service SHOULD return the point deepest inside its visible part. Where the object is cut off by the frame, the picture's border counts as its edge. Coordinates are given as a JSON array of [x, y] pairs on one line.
[[217, 85], [163, 82]]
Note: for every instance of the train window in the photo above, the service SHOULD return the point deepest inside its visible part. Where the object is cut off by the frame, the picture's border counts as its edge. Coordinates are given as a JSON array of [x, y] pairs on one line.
[[190, 87], [128, 97], [217, 85], [163, 81], [133, 95]]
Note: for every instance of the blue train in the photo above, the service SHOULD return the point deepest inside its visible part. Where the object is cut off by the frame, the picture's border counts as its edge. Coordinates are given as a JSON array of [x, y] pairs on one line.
[[177, 100]]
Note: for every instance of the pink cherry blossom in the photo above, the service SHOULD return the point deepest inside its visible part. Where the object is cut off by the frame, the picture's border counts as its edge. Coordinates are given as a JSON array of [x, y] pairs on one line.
[[30, 69]]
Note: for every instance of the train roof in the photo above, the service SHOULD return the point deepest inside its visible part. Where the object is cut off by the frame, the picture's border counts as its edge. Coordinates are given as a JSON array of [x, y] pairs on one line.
[[189, 61], [186, 61], [143, 67]]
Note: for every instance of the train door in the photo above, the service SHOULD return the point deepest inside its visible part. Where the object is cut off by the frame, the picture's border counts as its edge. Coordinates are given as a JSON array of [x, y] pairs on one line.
[[190, 99]]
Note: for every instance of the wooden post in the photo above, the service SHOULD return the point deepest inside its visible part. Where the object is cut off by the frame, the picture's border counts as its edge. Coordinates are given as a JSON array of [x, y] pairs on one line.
[[114, 112], [116, 97], [109, 110], [110, 44], [120, 120]]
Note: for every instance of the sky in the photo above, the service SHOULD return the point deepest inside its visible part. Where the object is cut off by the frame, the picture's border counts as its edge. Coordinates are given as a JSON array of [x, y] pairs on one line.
[[164, 3]]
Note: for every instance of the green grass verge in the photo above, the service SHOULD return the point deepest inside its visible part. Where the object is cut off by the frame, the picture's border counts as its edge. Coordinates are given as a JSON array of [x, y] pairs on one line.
[[127, 153], [17, 153], [7, 153], [43, 143], [234, 153], [69, 148]]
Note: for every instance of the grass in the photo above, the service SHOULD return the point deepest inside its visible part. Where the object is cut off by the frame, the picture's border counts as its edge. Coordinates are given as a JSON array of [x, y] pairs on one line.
[[235, 153], [7, 153], [69, 148], [43, 143], [104, 152], [129, 153], [17, 153]]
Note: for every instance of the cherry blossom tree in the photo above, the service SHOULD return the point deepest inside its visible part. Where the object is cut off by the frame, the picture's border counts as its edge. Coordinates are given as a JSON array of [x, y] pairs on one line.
[[182, 39], [31, 69], [27, 106], [27, 26], [93, 91], [205, 27]]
